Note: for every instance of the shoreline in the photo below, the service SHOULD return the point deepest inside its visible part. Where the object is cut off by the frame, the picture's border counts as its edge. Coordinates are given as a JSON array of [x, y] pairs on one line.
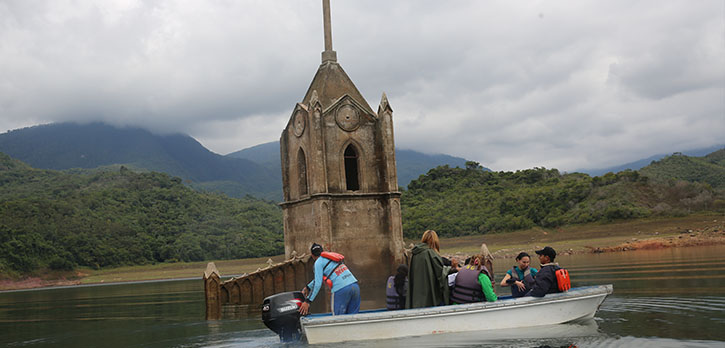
[[643, 234]]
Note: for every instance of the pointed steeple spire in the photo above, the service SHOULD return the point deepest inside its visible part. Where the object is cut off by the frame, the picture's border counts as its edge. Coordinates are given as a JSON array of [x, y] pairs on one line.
[[328, 54], [384, 104]]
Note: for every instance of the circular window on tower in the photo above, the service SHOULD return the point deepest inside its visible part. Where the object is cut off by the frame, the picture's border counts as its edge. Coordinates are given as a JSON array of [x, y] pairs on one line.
[[299, 123], [347, 117]]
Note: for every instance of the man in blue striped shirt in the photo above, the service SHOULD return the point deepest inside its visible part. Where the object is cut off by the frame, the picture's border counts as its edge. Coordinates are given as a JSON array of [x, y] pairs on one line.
[[344, 287]]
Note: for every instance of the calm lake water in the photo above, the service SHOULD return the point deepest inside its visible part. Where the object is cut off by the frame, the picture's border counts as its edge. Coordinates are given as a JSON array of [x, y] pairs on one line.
[[663, 298]]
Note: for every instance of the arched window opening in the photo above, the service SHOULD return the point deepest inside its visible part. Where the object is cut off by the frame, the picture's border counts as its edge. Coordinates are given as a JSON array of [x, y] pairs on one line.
[[351, 169], [302, 172]]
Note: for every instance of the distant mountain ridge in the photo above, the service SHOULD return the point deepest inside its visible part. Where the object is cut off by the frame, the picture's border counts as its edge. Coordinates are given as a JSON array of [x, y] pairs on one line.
[[410, 164], [638, 164], [70, 145], [253, 171]]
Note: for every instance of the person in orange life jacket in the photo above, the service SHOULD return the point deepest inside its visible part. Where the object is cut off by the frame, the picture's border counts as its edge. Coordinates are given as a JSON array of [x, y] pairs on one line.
[[397, 288], [345, 290], [520, 277], [473, 283], [545, 281]]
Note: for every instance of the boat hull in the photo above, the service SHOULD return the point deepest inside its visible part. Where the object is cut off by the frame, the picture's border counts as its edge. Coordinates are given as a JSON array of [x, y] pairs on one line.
[[577, 303]]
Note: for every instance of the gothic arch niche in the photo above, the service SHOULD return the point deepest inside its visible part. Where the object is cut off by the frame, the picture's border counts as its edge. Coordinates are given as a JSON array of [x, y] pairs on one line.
[[352, 168], [301, 173]]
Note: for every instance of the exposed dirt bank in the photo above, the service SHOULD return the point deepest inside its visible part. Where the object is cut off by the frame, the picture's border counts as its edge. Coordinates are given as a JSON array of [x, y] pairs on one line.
[[35, 282], [695, 230], [686, 238]]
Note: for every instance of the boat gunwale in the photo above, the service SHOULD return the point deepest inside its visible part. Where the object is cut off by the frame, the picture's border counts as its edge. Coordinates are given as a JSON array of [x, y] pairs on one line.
[[442, 311]]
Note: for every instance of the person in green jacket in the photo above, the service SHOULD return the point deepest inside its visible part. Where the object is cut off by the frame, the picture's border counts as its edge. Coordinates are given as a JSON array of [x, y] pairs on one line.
[[473, 283], [428, 276]]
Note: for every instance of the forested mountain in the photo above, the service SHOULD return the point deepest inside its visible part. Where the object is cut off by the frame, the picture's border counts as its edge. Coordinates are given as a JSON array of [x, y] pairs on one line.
[[114, 216], [266, 154], [461, 201], [410, 164], [69, 145], [709, 169], [59, 220]]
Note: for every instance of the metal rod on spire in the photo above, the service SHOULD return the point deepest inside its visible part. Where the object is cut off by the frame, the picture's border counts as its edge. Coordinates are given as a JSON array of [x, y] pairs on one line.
[[328, 24], [328, 54]]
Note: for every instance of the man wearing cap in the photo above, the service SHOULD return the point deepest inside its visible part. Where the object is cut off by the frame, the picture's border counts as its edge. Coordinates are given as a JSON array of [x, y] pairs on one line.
[[545, 281], [345, 290]]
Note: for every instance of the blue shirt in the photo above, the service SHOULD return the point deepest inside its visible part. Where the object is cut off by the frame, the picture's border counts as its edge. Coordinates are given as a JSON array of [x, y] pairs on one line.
[[341, 277], [521, 273]]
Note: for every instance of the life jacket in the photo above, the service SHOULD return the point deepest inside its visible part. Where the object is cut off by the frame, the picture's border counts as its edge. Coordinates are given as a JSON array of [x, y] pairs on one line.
[[528, 282], [332, 257], [394, 300], [467, 288], [562, 279]]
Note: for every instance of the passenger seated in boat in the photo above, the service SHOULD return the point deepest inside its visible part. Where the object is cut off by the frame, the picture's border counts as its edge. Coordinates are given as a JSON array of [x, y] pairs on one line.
[[428, 277], [488, 261], [521, 276], [473, 283], [545, 281], [397, 288]]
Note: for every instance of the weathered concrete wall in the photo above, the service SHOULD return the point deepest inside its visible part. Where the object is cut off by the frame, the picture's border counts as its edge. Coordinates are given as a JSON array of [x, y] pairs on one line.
[[366, 228], [251, 289]]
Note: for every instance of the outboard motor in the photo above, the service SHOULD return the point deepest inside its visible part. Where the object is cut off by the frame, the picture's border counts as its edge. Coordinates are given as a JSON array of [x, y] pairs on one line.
[[279, 313]]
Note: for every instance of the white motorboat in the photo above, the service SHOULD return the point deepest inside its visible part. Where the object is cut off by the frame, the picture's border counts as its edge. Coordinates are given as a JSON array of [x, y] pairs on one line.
[[507, 313]]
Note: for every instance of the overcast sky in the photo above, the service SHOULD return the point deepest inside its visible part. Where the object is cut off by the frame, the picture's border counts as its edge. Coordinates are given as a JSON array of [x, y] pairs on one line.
[[511, 84]]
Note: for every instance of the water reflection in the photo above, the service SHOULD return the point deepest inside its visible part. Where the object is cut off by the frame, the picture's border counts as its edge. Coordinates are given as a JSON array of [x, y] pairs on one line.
[[665, 298]]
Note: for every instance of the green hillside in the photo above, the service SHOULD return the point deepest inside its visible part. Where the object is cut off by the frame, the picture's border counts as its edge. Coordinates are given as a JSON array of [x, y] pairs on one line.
[[709, 169], [113, 216], [109, 218], [463, 201]]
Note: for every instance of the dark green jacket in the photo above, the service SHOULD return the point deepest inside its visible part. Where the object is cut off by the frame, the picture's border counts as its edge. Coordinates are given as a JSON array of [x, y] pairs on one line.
[[427, 279]]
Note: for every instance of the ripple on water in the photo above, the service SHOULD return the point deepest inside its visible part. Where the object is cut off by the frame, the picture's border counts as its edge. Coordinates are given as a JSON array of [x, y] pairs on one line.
[[642, 342], [676, 305]]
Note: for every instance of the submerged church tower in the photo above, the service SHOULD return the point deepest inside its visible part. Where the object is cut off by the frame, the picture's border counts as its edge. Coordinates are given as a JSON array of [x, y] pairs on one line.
[[338, 173]]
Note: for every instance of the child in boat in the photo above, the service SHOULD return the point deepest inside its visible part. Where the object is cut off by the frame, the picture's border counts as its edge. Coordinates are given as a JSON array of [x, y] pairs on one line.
[[521, 276], [397, 288], [473, 283]]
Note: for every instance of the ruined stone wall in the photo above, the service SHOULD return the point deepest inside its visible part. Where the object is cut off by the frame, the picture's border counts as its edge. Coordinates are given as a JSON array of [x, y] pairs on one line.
[[246, 293]]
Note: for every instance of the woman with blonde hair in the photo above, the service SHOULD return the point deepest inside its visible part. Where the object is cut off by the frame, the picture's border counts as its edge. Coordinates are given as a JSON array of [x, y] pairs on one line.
[[430, 237], [428, 276]]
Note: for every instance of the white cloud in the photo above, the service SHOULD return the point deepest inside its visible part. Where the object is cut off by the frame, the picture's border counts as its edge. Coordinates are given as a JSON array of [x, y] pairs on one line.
[[566, 84]]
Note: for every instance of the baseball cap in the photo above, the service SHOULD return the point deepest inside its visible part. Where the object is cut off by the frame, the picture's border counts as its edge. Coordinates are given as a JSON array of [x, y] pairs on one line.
[[548, 251]]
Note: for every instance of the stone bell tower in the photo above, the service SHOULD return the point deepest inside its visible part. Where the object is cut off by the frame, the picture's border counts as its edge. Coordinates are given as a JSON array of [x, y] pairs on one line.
[[338, 174]]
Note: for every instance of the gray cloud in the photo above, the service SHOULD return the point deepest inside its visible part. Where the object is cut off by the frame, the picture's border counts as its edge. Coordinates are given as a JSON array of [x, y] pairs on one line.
[[513, 85]]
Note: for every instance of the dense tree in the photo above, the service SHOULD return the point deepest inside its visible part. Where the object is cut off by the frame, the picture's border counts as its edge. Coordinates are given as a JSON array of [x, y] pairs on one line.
[[463, 201], [104, 218], [59, 220]]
